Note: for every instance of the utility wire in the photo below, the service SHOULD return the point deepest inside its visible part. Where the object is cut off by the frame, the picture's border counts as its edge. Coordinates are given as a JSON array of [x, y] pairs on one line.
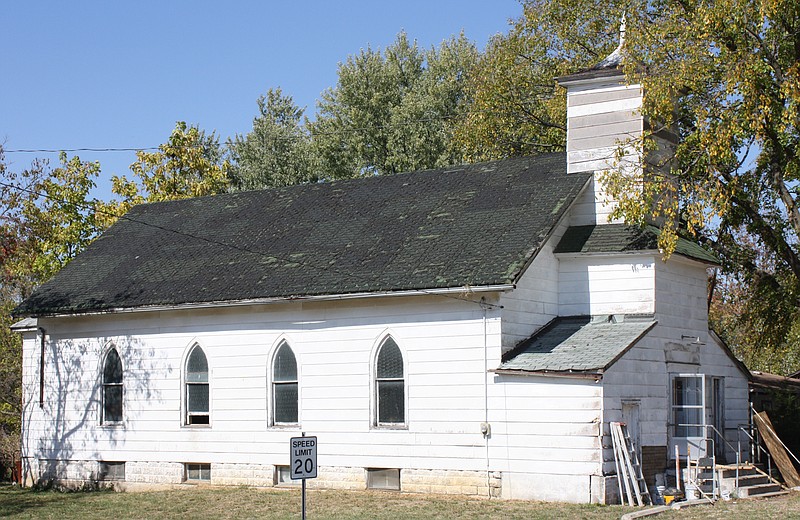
[[93, 207], [54, 150], [309, 134]]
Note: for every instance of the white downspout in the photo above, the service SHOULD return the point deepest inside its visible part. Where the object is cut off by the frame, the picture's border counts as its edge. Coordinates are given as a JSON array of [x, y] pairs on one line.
[[485, 427]]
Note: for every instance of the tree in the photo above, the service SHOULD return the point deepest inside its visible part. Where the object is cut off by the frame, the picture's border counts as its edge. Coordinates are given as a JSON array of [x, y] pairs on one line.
[[391, 111], [727, 84], [189, 164], [761, 326], [422, 127], [46, 219], [515, 106], [721, 77], [277, 151]]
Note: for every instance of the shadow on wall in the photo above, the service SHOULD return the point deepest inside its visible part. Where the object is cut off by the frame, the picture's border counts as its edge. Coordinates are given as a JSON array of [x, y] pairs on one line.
[[66, 425], [606, 288]]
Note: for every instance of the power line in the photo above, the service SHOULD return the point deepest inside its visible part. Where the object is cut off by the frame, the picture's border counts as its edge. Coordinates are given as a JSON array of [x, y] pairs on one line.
[[308, 133], [53, 150], [93, 207]]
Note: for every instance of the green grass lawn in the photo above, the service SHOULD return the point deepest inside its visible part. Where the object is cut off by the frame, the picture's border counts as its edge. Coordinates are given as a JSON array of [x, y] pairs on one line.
[[201, 502]]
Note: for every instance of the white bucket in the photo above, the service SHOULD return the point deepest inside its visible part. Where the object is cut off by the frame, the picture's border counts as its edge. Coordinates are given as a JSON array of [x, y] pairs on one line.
[[691, 492]]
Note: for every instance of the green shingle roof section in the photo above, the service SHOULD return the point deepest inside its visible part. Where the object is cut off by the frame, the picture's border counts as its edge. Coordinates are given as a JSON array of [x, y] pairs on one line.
[[622, 238], [475, 225], [577, 344]]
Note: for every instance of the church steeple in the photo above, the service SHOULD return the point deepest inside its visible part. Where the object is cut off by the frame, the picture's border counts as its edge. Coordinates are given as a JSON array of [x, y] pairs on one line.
[[603, 113]]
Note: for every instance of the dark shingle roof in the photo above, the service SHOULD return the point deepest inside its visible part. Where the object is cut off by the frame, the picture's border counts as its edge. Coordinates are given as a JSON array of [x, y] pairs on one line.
[[577, 344], [622, 238], [472, 225]]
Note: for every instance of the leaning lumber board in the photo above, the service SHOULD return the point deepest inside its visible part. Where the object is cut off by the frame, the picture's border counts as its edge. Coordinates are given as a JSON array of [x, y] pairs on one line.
[[777, 450]]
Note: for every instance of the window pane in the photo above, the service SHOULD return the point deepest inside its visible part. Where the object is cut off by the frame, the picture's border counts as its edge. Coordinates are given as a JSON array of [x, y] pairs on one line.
[[688, 391], [112, 403], [284, 476], [197, 367], [688, 416], [391, 402], [383, 479], [199, 419], [112, 471], [285, 402], [390, 360], [197, 398], [198, 471], [285, 368], [112, 371]]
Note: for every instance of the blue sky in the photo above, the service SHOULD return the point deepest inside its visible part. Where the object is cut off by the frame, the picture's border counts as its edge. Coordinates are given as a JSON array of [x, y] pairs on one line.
[[97, 74]]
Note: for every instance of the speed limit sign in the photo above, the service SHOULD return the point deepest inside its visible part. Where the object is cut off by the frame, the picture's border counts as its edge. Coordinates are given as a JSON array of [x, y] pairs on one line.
[[303, 457]]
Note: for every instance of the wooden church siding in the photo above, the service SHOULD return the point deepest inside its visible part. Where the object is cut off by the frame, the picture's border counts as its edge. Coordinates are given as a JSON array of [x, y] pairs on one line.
[[548, 438], [602, 116], [644, 374], [606, 285], [682, 304], [597, 128], [442, 343], [534, 301]]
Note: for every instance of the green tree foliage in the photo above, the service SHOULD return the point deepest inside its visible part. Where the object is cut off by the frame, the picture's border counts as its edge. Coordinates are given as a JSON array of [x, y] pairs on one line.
[[189, 164], [45, 220], [277, 151], [723, 77], [752, 312], [10, 383], [516, 107], [393, 111]]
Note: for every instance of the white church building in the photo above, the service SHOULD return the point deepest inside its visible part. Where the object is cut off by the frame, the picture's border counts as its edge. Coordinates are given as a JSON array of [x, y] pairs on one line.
[[469, 330]]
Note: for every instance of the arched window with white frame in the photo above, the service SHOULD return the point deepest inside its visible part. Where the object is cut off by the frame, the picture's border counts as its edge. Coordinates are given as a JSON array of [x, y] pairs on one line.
[[197, 388], [390, 392], [285, 393], [112, 388]]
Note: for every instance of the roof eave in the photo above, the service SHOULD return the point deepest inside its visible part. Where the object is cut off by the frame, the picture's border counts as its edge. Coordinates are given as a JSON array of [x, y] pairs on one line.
[[590, 76], [728, 352], [630, 345], [283, 299], [25, 325], [651, 252], [574, 374]]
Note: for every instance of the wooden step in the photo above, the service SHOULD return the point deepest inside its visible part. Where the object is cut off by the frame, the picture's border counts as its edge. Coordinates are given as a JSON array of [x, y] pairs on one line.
[[771, 494], [730, 472], [758, 490]]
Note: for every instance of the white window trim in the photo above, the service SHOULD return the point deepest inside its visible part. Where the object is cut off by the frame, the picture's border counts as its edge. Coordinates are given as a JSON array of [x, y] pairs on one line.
[[673, 407], [272, 423], [102, 414], [184, 384], [373, 390], [188, 480]]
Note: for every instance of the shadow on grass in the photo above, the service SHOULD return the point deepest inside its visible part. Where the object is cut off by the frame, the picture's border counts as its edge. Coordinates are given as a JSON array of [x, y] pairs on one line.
[[16, 501]]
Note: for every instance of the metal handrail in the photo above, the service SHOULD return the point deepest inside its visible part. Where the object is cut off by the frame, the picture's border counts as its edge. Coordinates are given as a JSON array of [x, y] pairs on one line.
[[719, 434], [757, 445], [738, 451]]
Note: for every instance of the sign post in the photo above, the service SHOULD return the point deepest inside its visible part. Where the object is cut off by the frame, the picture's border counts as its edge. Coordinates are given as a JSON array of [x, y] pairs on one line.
[[303, 461]]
